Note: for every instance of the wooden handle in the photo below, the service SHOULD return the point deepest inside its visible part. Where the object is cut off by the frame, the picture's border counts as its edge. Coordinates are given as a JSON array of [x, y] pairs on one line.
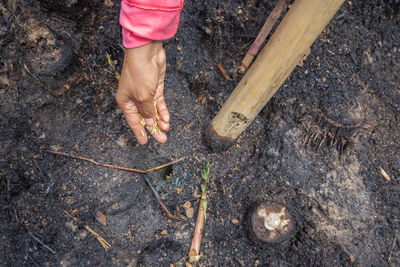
[[295, 34]]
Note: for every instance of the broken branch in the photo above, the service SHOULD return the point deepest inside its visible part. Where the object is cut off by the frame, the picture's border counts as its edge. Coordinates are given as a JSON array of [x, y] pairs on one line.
[[156, 195], [41, 242], [163, 206], [115, 166]]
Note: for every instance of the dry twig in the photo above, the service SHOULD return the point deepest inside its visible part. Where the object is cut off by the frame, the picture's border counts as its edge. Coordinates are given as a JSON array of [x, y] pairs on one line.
[[41, 242], [262, 35], [223, 71], [163, 206], [102, 241], [391, 251], [115, 166], [32, 260], [156, 195]]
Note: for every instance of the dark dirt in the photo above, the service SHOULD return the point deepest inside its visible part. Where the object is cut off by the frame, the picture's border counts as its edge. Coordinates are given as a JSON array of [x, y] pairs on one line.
[[317, 146]]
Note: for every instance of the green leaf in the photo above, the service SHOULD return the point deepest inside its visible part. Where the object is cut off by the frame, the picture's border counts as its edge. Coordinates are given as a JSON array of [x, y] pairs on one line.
[[109, 61], [206, 172], [203, 187], [204, 175], [194, 258]]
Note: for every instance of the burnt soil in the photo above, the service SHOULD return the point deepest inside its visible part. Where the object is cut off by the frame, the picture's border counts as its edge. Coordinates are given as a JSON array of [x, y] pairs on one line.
[[317, 146]]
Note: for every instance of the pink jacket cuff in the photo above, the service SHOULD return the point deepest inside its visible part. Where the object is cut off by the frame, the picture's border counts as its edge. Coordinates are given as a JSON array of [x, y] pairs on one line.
[[145, 20]]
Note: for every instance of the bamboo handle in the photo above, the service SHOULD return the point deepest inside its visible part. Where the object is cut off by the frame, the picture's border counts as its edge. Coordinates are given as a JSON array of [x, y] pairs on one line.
[[295, 34]]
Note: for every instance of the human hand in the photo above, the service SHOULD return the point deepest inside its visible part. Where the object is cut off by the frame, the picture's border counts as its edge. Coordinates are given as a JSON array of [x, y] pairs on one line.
[[140, 91]]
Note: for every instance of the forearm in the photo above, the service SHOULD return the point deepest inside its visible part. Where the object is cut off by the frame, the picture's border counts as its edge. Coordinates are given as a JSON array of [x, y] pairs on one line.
[[140, 90]]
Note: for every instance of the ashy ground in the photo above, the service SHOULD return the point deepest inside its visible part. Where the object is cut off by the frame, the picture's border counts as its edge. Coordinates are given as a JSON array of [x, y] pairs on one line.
[[318, 146]]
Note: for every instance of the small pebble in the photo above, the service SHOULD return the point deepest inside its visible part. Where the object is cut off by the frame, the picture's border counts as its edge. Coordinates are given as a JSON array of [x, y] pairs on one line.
[[70, 225], [121, 142], [189, 213], [164, 232], [101, 218]]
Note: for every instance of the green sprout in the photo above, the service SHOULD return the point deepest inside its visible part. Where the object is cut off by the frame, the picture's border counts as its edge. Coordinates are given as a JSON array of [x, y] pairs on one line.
[[205, 175], [112, 67]]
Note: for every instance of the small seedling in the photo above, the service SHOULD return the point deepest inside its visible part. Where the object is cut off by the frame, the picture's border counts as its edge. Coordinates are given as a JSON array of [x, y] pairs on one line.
[[204, 174], [194, 252], [112, 66]]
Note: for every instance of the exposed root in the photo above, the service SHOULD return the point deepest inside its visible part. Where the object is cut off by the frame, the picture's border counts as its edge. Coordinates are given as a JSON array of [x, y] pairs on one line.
[[330, 133]]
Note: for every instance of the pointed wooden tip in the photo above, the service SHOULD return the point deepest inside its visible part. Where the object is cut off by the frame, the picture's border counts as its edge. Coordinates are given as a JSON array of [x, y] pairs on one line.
[[248, 58]]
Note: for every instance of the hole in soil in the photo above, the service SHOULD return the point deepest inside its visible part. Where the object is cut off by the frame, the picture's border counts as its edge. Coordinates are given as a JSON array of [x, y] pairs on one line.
[[162, 175], [168, 172]]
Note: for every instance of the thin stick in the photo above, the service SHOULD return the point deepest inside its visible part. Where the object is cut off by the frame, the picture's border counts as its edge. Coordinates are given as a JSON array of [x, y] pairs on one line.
[[391, 251], [101, 240], [163, 206], [34, 262], [155, 193], [41, 242], [30, 73], [299, 191], [165, 165], [262, 35], [223, 71], [115, 166]]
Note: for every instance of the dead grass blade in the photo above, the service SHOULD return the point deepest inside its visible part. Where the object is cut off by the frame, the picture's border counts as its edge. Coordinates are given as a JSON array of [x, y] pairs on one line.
[[102, 241], [384, 174]]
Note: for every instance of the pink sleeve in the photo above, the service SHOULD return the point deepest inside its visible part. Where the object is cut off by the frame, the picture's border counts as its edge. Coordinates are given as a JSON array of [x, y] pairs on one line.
[[145, 20]]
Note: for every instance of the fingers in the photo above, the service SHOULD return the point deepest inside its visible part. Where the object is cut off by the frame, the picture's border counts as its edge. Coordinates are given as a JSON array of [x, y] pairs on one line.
[[152, 121], [163, 113], [147, 110], [154, 129], [139, 125], [132, 116]]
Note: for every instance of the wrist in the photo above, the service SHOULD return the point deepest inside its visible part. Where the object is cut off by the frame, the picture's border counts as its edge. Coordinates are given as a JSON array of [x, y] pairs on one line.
[[146, 51]]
